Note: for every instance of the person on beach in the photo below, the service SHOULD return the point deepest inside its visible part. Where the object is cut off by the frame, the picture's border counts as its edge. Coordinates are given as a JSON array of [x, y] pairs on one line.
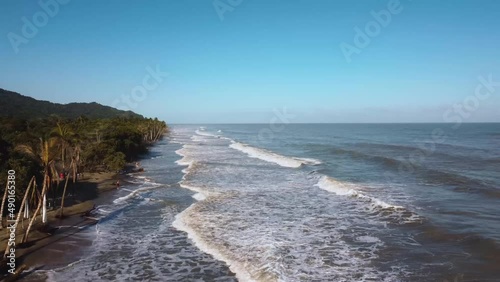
[[117, 184]]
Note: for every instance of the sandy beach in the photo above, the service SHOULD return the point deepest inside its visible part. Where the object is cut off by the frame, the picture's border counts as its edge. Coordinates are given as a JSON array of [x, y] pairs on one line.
[[38, 252]]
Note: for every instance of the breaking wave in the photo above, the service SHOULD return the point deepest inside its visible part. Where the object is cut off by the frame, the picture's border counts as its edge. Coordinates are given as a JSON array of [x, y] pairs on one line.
[[271, 157]]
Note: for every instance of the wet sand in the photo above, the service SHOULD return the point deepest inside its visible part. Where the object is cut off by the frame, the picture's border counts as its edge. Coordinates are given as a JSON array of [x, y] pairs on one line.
[[48, 251]]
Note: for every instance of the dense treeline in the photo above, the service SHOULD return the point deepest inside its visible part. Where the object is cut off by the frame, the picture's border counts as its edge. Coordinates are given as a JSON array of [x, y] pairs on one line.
[[94, 144], [40, 150]]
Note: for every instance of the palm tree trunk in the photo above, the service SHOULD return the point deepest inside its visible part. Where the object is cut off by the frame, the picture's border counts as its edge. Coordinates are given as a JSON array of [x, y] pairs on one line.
[[53, 190], [27, 210], [20, 213], [62, 156], [64, 190], [44, 209], [44, 189], [3, 204]]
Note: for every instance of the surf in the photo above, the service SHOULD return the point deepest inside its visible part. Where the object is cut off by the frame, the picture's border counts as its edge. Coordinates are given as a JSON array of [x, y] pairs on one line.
[[271, 157], [374, 204]]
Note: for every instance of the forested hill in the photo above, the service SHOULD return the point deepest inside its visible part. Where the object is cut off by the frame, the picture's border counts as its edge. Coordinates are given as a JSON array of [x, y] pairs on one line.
[[15, 105], [39, 138]]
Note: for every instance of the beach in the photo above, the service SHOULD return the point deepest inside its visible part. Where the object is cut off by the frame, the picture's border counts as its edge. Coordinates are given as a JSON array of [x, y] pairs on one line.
[[136, 238], [41, 245], [214, 205]]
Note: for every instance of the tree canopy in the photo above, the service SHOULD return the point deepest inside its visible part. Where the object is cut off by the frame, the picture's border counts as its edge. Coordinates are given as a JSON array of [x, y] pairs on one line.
[[30, 143]]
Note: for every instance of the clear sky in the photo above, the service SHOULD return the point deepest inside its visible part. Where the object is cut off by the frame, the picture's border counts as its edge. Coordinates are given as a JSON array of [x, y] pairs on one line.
[[237, 60]]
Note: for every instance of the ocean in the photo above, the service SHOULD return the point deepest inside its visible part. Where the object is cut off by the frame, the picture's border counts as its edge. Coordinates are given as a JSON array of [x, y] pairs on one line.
[[304, 202]]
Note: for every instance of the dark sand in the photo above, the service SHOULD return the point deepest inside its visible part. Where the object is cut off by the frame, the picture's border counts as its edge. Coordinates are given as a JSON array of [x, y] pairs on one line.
[[46, 251]]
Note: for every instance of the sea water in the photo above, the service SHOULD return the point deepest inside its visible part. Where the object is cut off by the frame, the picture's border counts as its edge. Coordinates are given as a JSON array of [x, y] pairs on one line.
[[312, 202]]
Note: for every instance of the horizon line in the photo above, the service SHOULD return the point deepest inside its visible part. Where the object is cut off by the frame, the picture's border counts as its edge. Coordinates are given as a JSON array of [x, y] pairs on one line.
[[291, 123]]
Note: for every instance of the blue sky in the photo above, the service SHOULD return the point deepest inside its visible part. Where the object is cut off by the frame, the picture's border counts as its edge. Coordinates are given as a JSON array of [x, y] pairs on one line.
[[262, 55]]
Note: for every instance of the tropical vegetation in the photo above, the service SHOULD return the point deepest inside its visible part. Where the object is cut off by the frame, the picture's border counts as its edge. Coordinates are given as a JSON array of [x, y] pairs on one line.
[[40, 149]]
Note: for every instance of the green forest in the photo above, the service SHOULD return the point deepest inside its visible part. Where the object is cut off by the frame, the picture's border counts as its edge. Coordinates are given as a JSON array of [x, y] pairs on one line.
[[39, 147]]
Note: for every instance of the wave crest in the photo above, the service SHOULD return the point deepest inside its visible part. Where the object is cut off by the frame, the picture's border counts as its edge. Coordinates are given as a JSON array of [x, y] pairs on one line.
[[376, 205], [271, 157]]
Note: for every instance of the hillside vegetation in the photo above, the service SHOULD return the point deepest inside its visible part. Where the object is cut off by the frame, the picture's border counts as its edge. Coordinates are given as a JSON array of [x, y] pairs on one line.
[[15, 105], [41, 140]]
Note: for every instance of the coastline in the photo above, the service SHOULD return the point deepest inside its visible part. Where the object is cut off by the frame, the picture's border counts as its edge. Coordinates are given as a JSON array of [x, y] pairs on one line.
[[42, 244]]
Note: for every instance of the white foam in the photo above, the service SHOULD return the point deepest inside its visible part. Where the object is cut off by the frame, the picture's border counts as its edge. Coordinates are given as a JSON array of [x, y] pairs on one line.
[[143, 180], [236, 267], [185, 161], [343, 189], [368, 239], [151, 182], [51, 274], [206, 134], [199, 138], [310, 161], [331, 185], [259, 219], [199, 197], [202, 193], [103, 211], [134, 193], [271, 157]]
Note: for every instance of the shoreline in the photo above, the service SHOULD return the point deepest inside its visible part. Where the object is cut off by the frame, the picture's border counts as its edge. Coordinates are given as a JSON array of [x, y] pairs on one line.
[[180, 223], [42, 244]]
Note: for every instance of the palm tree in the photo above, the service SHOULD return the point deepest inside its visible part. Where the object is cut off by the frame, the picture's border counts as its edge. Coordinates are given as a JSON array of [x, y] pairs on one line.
[[23, 206], [74, 171], [44, 191], [64, 134], [152, 130], [46, 155]]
